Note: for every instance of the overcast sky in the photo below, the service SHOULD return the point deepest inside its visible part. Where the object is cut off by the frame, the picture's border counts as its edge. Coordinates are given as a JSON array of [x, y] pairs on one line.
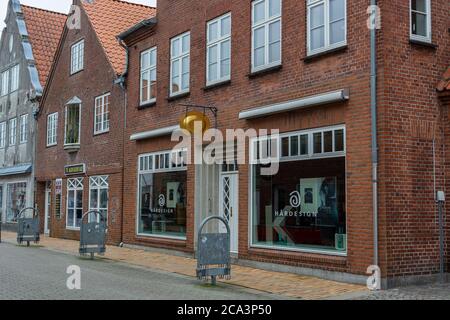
[[54, 5]]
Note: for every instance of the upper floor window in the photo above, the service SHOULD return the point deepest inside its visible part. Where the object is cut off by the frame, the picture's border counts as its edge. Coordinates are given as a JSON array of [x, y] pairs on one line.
[[5, 83], [3, 134], [327, 25], [52, 127], [266, 34], [148, 76], [77, 57], [15, 73], [73, 121], [101, 117], [179, 64], [218, 49], [12, 131], [23, 128], [421, 20]]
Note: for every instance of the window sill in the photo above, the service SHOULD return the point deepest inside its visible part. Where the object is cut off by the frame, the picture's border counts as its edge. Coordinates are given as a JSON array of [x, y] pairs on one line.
[[146, 105], [75, 72], [217, 85], [100, 133], [265, 71], [318, 55], [51, 145], [72, 147], [423, 43], [72, 229], [178, 96]]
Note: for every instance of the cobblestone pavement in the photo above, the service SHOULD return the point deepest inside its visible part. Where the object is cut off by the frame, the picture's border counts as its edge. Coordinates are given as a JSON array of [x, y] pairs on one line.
[[422, 292], [34, 273]]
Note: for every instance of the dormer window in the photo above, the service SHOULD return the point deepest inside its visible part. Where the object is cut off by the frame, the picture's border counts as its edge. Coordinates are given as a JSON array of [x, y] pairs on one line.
[[77, 57]]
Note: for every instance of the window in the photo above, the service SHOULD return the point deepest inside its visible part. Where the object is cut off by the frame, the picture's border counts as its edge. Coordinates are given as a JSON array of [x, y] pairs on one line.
[[16, 200], [73, 119], [327, 25], [179, 64], [23, 128], [148, 76], [101, 117], [12, 131], [302, 206], [52, 127], [77, 57], [266, 34], [218, 49], [74, 203], [421, 20], [162, 179], [3, 134], [98, 196], [5, 83], [15, 78]]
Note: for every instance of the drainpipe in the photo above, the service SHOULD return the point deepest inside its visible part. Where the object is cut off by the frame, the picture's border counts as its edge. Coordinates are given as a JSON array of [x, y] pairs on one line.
[[373, 109]]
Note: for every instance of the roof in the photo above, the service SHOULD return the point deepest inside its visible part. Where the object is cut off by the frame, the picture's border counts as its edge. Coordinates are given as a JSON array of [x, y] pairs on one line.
[[444, 85], [44, 31], [112, 17], [19, 169]]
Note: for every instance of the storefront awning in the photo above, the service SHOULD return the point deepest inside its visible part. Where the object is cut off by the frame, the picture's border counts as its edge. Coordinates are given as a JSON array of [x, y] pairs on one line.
[[316, 100], [21, 169], [154, 133]]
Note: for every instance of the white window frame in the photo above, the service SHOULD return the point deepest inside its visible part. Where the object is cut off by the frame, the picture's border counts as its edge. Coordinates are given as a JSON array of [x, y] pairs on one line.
[[151, 68], [310, 133], [428, 23], [265, 23], [180, 58], [104, 113], [218, 42], [4, 83], [77, 57], [15, 74], [327, 46], [76, 185], [23, 132], [12, 131], [99, 183], [52, 127], [146, 164], [79, 126], [3, 135]]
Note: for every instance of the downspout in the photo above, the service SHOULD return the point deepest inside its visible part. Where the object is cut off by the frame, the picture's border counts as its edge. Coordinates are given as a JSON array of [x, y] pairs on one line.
[[121, 81], [373, 109]]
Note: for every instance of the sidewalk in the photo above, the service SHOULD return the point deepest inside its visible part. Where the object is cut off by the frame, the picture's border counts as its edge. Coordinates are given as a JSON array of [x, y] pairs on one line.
[[278, 283]]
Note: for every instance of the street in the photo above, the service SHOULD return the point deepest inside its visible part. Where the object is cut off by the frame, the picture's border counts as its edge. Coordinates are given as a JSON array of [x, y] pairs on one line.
[[37, 273]]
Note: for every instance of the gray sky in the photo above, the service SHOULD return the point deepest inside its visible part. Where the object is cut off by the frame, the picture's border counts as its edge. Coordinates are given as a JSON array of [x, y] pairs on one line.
[[54, 5]]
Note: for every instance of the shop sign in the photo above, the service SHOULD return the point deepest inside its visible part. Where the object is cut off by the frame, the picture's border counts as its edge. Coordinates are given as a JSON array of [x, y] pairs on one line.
[[75, 169], [162, 204]]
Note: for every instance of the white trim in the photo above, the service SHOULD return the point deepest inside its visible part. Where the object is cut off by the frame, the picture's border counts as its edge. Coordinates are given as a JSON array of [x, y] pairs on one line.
[[218, 43], [23, 129], [154, 133], [53, 117], [268, 20], [105, 110], [320, 99], [11, 134], [416, 37], [180, 58], [99, 188], [79, 125], [150, 68], [77, 52], [3, 134], [326, 11], [76, 189]]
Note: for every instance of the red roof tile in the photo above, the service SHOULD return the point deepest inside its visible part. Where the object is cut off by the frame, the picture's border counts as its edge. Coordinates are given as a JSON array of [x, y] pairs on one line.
[[444, 85], [110, 18], [44, 30]]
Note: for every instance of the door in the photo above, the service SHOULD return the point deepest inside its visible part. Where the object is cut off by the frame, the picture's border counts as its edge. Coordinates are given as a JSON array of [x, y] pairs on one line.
[[48, 197], [229, 205]]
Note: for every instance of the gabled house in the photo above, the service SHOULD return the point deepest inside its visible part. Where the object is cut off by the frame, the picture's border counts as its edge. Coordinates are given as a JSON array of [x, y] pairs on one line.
[[81, 119], [27, 48]]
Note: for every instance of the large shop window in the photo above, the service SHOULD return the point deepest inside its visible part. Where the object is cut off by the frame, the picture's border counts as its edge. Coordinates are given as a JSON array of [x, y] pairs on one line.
[[98, 196], [16, 200], [162, 194], [73, 119], [74, 203], [302, 206]]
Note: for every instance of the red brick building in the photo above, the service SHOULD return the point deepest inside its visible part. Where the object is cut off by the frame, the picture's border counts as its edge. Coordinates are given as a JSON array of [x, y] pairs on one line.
[[303, 67], [81, 119]]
